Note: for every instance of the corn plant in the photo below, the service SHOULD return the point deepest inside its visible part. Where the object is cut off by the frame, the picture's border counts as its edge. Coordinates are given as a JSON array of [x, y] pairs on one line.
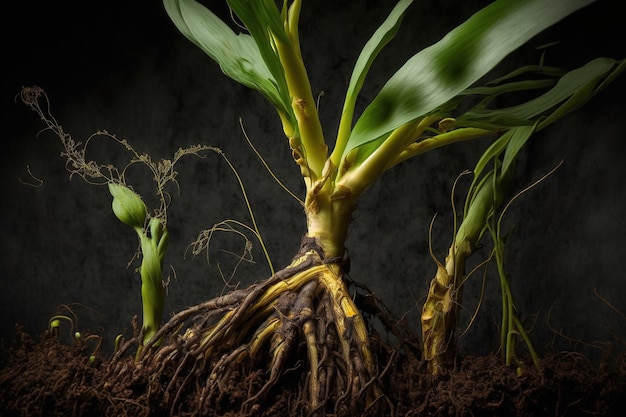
[[489, 189], [418, 110]]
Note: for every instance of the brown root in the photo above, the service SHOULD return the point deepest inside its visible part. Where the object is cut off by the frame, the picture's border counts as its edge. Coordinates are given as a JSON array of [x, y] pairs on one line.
[[300, 327]]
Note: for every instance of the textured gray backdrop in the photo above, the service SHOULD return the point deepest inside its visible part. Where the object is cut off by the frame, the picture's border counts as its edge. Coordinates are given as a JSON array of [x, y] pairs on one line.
[[123, 67]]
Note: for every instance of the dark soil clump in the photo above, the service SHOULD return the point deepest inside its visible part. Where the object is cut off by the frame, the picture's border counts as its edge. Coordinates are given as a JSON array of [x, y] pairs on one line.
[[44, 377]]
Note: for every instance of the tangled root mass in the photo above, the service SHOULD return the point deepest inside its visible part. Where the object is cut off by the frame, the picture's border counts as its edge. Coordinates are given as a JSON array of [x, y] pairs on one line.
[[300, 327]]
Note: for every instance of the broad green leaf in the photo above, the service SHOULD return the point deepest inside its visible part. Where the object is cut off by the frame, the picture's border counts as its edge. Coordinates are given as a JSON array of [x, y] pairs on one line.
[[504, 85], [440, 72], [238, 55], [383, 35], [571, 92]]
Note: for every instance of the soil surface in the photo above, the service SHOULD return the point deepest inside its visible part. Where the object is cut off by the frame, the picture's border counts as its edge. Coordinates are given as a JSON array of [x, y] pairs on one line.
[[41, 376]]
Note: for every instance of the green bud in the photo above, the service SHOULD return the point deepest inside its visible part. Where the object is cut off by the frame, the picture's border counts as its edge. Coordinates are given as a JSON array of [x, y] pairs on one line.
[[127, 205], [156, 230]]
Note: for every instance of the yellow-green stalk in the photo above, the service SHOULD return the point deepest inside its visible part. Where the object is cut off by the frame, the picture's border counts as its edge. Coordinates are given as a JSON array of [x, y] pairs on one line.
[[308, 138], [439, 313]]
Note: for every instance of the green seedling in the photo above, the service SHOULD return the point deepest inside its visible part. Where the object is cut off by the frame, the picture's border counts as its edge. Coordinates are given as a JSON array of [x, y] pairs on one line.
[[131, 210], [118, 342], [54, 324], [127, 205], [84, 340]]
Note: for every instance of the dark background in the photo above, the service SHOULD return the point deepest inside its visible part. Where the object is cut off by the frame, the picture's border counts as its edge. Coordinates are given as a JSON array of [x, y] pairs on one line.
[[123, 67]]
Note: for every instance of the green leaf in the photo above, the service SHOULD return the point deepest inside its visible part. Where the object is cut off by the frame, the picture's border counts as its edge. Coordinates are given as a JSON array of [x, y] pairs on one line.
[[573, 90], [238, 55], [495, 149], [263, 20], [592, 80], [519, 138], [529, 69], [511, 87], [260, 17], [440, 72], [383, 35]]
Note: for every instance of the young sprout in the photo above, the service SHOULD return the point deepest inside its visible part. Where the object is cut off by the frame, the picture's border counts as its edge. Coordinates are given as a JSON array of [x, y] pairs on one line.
[[55, 323], [153, 237], [127, 205]]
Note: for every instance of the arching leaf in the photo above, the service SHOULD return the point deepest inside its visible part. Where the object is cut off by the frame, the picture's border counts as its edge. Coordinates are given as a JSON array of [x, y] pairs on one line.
[[238, 55], [440, 72], [263, 21], [383, 35], [571, 91]]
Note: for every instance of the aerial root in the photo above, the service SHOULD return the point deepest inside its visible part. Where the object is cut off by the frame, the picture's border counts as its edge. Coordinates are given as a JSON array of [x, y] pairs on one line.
[[230, 352]]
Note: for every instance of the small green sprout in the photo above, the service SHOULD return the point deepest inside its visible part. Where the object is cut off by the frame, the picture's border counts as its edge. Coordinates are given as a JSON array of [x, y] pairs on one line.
[[127, 205], [131, 210], [118, 342], [55, 323]]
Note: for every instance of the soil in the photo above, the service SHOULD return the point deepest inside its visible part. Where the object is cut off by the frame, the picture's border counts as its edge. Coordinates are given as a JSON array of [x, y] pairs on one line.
[[42, 376]]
